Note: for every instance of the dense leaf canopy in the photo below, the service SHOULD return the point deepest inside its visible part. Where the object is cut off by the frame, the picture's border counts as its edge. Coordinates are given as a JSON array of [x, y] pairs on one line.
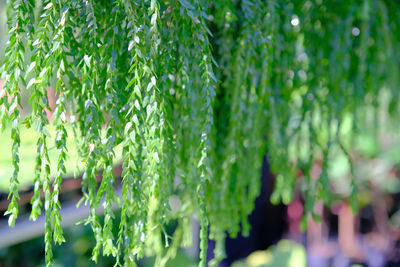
[[195, 92]]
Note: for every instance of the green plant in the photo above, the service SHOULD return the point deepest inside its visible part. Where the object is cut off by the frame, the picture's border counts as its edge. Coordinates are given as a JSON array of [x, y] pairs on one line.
[[195, 91]]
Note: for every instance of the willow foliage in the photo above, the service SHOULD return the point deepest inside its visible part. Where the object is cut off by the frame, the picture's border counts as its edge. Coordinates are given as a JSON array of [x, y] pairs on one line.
[[195, 92]]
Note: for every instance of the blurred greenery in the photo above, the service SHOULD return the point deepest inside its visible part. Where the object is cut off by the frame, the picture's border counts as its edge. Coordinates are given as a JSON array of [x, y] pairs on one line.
[[374, 154], [375, 162], [285, 254], [76, 252]]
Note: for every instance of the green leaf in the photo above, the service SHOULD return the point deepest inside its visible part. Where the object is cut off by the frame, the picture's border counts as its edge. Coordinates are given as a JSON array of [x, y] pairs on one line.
[[30, 83]]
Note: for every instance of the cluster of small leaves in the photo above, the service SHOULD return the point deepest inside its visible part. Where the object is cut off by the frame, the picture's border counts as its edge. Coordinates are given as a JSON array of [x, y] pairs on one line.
[[195, 92], [10, 95]]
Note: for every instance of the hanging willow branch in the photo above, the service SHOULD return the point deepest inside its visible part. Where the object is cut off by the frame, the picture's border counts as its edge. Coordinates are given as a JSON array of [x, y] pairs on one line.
[[194, 92]]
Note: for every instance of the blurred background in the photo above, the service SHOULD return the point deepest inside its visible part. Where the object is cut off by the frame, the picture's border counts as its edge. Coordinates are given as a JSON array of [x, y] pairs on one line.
[[338, 237]]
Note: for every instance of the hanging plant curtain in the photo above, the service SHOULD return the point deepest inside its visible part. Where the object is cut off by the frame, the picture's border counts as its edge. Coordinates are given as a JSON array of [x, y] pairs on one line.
[[195, 92]]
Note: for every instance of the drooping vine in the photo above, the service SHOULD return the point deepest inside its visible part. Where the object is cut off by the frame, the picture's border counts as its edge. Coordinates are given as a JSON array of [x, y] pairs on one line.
[[190, 95]]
